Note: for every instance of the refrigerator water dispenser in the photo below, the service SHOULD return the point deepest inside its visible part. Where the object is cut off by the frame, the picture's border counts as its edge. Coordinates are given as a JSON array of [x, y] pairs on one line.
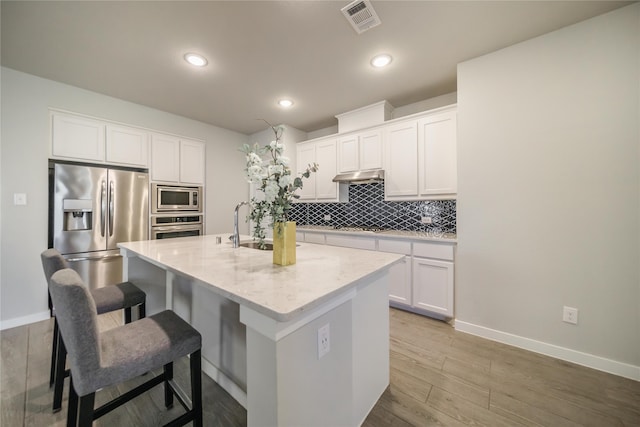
[[78, 214]]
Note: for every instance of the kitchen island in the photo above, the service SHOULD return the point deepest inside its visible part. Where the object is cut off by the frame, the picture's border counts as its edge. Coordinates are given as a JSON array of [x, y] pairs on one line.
[[301, 345]]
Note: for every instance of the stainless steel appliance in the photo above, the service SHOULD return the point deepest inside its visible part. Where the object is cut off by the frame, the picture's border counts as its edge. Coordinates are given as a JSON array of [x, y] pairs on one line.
[[170, 226], [170, 198], [93, 208]]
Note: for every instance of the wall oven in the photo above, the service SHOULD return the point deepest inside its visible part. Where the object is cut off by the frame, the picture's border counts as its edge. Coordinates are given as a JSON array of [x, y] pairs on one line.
[[171, 198], [176, 225]]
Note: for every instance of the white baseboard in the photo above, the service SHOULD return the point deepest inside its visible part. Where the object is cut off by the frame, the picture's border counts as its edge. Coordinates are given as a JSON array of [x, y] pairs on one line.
[[25, 320], [585, 359], [225, 382]]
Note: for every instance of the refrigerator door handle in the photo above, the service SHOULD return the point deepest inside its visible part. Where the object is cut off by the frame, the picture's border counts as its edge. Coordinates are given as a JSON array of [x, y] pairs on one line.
[[103, 207], [87, 258], [111, 202]]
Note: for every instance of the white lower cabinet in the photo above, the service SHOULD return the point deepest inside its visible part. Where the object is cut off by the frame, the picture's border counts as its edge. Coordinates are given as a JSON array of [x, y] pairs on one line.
[[423, 282], [400, 286], [433, 286]]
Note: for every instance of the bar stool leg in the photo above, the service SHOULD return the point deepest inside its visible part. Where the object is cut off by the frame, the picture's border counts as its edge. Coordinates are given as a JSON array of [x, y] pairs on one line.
[[72, 409], [168, 393], [85, 410], [54, 351], [60, 368], [196, 387]]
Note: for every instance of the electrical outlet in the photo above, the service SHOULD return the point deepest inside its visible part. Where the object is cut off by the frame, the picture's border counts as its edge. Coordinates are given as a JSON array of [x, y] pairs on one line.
[[570, 315], [19, 199], [324, 343], [425, 220]]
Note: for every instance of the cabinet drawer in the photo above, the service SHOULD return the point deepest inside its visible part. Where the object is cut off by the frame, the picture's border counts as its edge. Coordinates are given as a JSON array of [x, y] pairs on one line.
[[351, 242], [394, 246], [433, 250]]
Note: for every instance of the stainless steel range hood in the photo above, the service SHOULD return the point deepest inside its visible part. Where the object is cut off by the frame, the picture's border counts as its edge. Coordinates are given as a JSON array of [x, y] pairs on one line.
[[361, 177]]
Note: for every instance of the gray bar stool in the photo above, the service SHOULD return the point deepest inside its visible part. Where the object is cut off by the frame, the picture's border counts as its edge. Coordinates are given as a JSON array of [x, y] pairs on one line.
[[99, 360], [109, 298]]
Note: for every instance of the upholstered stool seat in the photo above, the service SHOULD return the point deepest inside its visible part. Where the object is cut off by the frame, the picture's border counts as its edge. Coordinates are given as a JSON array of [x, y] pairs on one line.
[[99, 360], [122, 296]]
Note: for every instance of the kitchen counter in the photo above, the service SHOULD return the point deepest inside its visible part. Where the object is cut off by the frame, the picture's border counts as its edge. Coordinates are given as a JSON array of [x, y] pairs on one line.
[[412, 235], [261, 323], [249, 277]]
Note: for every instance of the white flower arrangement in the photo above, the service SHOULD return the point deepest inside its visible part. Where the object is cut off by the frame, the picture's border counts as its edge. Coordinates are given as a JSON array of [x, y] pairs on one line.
[[274, 179]]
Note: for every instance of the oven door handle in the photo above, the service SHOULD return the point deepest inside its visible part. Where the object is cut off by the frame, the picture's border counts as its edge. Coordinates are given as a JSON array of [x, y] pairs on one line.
[[177, 228]]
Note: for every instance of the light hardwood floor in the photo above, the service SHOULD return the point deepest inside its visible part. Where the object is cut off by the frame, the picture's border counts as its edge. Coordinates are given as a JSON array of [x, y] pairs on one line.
[[439, 377]]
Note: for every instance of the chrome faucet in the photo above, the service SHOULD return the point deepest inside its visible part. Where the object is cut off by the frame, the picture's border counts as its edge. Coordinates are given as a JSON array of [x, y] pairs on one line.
[[236, 234]]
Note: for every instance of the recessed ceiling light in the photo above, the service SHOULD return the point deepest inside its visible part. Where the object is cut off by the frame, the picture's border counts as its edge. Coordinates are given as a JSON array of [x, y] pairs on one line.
[[381, 60], [285, 103], [195, 59]]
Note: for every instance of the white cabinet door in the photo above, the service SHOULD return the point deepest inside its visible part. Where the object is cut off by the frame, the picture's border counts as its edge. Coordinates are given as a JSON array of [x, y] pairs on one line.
[[433, 286], [437, 154], [127, 146], [306, 155], [400, 285], [326, 157], [76, 137], [192, 158], [371, 150], [401, 166], [360, 151], [348, 154], [165, 158]]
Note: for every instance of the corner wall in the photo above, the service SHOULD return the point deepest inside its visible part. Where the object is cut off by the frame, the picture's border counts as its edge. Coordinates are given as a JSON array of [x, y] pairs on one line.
[[549, 193], [25, 151]]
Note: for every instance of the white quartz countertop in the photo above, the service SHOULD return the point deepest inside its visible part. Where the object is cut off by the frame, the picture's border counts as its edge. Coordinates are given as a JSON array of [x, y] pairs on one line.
[[249, 277], [403, 234]]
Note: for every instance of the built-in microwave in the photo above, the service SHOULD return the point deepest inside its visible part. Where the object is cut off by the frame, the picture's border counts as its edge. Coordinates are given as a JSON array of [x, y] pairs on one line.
[[170, 198]]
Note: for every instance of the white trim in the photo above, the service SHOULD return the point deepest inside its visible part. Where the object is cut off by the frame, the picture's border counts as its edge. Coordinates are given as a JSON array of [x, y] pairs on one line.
[[24, 320], [225, 382], [585, 359]]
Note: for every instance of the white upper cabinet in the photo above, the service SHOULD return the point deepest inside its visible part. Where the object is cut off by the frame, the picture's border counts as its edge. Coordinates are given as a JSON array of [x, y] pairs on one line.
[[81, 138], [192, 158], [165, 155], [319, 186], [401, 166], [306, 155], [127, 146], [75, 137], [177, 160], [420, 157], [360, 151], [437, 154]]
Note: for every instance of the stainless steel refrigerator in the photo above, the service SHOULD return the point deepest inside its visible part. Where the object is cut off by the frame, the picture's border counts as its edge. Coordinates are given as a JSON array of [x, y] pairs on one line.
[[91, 210]]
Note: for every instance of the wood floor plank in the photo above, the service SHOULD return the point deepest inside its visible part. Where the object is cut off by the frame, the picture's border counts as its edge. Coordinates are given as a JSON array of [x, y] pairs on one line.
[[453, 384], [522, 412], [14, 345], [466, 412]]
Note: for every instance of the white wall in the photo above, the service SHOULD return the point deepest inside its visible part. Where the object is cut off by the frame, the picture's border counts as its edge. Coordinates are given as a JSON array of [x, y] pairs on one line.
[[25, 151], [549, 193]]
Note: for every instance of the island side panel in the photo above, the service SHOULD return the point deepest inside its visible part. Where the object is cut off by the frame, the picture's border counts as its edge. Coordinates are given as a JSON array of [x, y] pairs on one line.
[[370, 344], [288, 385], [148, 277]]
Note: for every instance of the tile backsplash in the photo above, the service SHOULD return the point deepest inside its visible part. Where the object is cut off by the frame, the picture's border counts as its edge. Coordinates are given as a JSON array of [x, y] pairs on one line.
[[367, 207]]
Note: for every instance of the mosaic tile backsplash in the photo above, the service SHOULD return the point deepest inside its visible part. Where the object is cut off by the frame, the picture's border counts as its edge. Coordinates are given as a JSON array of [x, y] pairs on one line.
[[368, 208]]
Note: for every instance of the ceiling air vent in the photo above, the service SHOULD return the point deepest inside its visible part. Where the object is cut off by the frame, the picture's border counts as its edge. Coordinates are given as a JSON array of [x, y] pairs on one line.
[[361, 15]]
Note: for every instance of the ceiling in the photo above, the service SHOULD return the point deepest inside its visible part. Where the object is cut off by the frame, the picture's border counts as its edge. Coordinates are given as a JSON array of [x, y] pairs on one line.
[[262, 51]]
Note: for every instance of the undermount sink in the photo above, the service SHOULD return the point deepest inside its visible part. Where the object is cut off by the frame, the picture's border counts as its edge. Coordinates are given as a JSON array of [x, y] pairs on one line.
[[256, 245]]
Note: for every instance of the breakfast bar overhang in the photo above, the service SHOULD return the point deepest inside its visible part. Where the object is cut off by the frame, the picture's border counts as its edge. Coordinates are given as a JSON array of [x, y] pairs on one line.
[[261, 323]]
